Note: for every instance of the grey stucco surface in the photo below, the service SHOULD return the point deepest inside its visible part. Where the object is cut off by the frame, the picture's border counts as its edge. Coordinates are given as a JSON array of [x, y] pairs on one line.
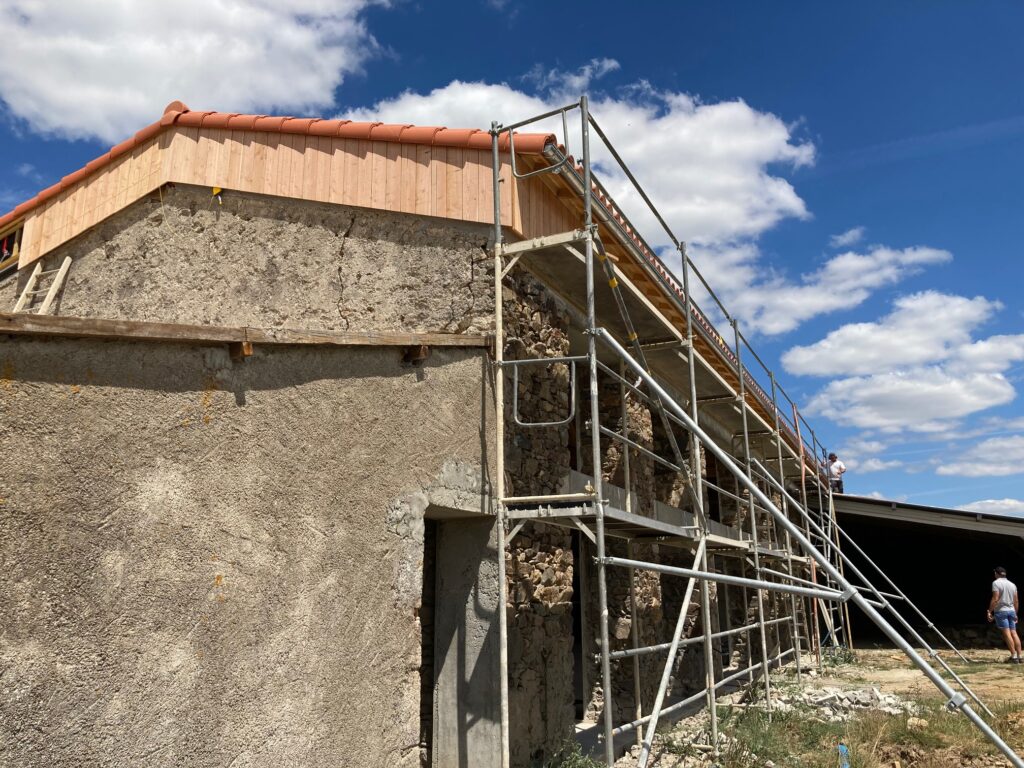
[[179, 256], [204, 563]]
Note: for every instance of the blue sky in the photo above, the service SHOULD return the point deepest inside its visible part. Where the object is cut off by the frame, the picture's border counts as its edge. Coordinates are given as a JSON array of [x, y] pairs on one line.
[[849, 178]]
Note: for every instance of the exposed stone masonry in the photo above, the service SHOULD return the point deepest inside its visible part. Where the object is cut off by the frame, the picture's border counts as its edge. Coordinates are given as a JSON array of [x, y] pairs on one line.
[[539, 563]]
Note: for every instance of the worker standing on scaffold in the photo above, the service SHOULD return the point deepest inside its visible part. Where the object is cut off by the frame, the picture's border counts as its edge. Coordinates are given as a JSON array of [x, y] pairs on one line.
[[836, 470]]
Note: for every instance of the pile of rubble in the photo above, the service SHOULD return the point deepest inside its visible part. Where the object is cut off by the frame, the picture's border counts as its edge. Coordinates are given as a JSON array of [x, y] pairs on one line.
[[838, 704]]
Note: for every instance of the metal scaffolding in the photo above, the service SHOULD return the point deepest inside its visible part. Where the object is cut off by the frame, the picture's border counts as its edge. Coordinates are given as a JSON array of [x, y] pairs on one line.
[[791, 541]]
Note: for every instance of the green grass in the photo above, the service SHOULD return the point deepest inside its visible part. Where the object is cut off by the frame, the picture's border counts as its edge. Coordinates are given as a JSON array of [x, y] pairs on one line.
[[570, 755], [792, 738], [800, 738]]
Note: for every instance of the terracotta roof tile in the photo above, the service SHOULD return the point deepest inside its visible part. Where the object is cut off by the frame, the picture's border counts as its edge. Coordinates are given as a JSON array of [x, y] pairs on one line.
[[148, 133], [218, 120], [177, 114], [297, 125], [324, 127], [456, 137], [268, 123], [241, 122], [382, 132], [353, 130]]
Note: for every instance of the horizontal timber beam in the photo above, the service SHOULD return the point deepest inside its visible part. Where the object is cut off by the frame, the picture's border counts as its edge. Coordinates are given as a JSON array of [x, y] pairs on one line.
[[25, 324]]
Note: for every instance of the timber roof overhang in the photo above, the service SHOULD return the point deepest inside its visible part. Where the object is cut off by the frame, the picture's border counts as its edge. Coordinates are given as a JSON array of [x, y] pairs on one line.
[[177, 114]]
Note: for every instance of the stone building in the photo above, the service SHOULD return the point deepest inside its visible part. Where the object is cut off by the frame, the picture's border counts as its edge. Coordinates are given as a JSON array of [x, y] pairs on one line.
[[247, 403]]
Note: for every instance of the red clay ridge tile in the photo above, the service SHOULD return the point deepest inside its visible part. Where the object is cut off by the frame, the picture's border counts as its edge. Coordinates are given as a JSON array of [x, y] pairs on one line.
[[296, 125], [241, 122], [74, 178], [217, 120], [190, 119], [387, 132], [324, 127], [49, 192], [418, 134], [454, 137], [147, 133], [125, 146], [268, 124], [352, 130]]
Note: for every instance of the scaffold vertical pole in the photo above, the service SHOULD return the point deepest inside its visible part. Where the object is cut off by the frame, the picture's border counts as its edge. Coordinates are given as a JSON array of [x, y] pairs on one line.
[[815, 627], [634, 616], [752, 511], [826, 542], [608, 714], [697, 471], [498, 486], [795, 637]]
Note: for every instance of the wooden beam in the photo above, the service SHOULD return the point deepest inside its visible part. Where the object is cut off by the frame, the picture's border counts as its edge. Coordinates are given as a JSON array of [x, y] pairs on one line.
[[24, 324]]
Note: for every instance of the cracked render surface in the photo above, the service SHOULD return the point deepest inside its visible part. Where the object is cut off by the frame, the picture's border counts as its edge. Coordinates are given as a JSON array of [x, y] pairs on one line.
[[180, 256]]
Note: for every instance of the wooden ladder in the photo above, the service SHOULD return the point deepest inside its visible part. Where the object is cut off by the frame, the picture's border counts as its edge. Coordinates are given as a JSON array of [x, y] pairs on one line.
[[26, 302], [804, 628]]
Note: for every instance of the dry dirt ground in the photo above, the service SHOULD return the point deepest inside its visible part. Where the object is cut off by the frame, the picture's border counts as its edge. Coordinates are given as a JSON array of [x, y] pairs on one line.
[[892, 672]]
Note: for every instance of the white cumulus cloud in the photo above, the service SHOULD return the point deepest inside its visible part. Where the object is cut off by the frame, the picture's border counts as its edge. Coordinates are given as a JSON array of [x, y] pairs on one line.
[[713, 170], [847, 238], [918, 399], [995, 457], [996, 506], [917, 369], [907, 336], [105, 68], [774, 304], [706, 165]]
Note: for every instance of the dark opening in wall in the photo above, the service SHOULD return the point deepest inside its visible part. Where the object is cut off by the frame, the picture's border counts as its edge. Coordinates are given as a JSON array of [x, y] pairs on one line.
[[946, 572], [578, 671], [427, 607], [10, 245]]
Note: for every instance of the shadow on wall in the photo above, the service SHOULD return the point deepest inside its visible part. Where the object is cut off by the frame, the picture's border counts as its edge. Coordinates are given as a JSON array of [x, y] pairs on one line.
[[190, 368]]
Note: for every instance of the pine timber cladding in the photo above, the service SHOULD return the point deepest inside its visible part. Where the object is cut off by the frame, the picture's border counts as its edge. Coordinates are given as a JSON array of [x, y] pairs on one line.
[[448, 182]]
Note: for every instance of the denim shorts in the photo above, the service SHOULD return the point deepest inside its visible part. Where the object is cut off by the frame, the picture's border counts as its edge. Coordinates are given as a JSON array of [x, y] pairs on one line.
[[1005, 619]]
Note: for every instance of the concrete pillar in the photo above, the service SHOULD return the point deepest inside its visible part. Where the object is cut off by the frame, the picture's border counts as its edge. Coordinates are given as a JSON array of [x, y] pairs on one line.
[[467, 717]]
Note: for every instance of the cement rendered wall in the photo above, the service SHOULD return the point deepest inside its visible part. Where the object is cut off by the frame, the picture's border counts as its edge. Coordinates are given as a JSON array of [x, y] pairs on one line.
[[209, 563], [212, 564], [179, 256]]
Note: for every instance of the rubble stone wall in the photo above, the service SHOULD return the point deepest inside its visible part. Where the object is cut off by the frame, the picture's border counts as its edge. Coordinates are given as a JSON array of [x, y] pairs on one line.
[[539, 562]]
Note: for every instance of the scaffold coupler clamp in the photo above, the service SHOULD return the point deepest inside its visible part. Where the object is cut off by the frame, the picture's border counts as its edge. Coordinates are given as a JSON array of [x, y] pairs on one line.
[[957, 702], [849, 592]]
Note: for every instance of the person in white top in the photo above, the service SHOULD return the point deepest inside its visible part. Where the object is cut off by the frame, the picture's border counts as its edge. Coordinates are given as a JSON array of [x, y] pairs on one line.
[[836, 469], [1002, 609]]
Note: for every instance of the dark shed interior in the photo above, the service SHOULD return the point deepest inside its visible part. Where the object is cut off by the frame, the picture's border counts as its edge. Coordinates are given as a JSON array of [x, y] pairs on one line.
[[946, 571]]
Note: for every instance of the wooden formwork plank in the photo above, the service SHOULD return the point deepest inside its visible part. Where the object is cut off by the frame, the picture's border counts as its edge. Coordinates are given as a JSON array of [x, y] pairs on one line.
[[22, 324]]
